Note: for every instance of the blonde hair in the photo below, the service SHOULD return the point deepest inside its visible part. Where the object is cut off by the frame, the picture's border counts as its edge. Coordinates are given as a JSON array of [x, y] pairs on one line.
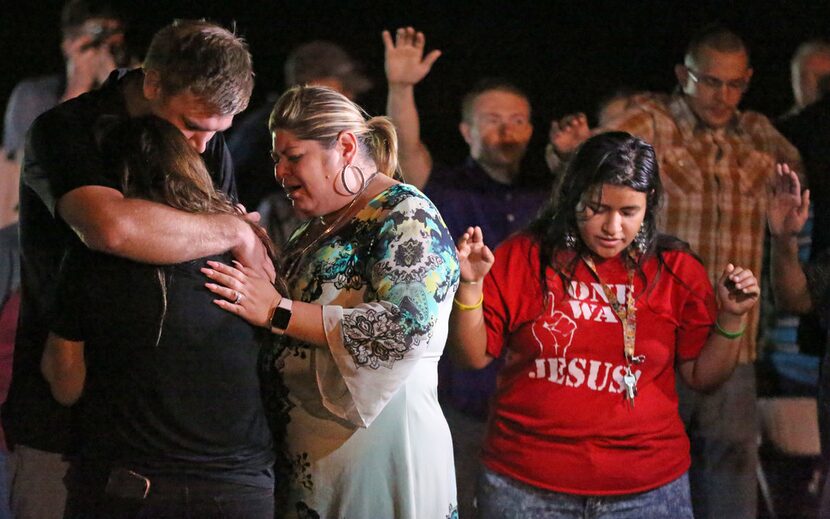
[[321, 114]]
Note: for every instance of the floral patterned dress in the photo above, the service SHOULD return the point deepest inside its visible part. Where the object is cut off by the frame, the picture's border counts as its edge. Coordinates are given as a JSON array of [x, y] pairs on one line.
[[366, 437]]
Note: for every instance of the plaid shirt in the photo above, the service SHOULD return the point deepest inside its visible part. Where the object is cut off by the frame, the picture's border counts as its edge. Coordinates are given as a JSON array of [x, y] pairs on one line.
[[715, 182]]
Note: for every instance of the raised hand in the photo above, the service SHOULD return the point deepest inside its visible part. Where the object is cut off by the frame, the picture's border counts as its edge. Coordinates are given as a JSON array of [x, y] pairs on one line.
[[787, 207], [474, 257], [405, 63], [568, 133], [737, 290]]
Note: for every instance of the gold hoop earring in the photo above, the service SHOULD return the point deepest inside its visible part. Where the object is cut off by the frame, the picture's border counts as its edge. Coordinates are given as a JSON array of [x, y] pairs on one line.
[[343, 179]]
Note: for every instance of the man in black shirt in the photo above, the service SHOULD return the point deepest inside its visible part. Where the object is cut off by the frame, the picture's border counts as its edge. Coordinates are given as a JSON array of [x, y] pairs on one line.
[[197, 76]]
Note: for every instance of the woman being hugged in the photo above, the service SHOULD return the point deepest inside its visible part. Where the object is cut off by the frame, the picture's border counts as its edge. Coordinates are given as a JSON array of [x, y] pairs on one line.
[[595, 310], [169, 388], [371, 277]]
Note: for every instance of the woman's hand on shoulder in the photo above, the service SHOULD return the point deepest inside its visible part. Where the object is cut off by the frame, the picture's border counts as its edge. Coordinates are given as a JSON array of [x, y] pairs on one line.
[[737, 290], [242, 291], [474, 257]]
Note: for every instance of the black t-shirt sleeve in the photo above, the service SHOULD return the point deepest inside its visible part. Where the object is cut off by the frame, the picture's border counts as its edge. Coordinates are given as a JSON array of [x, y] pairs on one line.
[[217, 158], [62, 155], [66, 318]]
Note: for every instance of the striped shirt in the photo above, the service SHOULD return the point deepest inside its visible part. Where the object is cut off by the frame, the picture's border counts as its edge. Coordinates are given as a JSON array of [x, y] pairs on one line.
[[715, 183]]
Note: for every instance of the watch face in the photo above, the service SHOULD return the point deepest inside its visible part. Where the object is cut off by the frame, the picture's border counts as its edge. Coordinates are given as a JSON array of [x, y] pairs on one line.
[[281, 318]]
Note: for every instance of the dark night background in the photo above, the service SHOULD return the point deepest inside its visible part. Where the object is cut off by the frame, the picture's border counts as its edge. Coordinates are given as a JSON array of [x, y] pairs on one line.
[[566, 54]]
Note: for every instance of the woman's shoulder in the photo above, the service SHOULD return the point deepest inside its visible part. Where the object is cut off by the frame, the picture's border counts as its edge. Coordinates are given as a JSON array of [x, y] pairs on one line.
[[195, 265], [402, 196], [402, 210], [521, 241], [683, 264], [402, 203], [672, 249], [681, 257], [519, 252]]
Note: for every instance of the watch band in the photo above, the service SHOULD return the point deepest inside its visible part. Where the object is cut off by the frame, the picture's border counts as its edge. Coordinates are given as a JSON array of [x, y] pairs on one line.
[[282, 316]]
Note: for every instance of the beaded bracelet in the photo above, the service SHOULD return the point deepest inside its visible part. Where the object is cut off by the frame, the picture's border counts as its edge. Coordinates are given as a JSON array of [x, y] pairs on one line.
[[729, 335], [462, 306]]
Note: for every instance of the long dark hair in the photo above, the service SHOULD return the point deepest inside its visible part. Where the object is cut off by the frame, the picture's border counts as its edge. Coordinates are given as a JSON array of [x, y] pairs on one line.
[[615, 158], [155, 162]]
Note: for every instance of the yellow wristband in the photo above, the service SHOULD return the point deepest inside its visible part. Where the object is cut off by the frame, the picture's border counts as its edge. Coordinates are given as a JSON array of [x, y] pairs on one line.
[[462, 306]]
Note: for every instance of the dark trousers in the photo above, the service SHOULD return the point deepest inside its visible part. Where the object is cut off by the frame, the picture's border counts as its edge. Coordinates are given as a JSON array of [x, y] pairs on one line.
[[168, 497]]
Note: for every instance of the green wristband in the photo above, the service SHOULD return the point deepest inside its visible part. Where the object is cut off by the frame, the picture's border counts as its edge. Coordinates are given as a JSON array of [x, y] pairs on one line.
[[729, 335]]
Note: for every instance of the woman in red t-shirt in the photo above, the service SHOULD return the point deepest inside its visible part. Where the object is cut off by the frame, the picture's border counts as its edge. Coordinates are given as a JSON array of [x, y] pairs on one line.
[[594, 311]]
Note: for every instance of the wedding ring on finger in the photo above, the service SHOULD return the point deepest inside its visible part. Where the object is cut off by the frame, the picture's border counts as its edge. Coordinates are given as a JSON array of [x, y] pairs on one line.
[[238, 298]]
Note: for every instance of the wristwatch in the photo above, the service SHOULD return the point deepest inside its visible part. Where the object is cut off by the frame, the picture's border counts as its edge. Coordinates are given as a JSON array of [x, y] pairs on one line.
[[281, 317]]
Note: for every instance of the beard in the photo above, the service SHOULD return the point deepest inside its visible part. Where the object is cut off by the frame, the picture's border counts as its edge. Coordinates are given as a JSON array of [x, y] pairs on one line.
[[504, 155]]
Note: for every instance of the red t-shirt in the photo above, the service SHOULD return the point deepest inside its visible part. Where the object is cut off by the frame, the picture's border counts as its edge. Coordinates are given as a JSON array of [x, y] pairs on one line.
[[559, 419]]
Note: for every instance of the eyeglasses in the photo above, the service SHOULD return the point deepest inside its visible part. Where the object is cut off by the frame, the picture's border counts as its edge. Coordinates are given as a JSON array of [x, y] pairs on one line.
[[713, 83]]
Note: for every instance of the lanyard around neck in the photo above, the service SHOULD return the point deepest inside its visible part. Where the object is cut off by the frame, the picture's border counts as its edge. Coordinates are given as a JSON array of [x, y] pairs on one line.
[[627, 315]]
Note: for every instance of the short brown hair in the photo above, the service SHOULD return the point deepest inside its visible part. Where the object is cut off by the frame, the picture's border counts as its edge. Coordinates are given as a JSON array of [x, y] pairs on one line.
[[716, 37], [494, 84], [205, 59]]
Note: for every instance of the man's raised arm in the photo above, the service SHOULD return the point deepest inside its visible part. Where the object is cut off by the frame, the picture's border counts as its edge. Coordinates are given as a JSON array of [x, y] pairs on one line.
[[406, 66]]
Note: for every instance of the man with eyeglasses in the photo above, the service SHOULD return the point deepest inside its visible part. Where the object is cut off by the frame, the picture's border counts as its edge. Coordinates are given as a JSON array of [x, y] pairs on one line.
[[715, 163]]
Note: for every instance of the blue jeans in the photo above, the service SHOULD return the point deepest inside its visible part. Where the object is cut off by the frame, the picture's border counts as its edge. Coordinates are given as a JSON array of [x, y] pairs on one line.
[[500, 497], [723, 430], [37, 487], [5, 511]]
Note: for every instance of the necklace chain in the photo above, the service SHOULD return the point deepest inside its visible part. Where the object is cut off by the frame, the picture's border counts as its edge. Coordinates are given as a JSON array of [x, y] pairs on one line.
[[294, 259]]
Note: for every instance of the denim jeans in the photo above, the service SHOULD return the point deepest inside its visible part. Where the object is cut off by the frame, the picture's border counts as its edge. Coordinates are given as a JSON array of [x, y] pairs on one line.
[[467, 437], [5, 510], [36, 485], [723, 429], [500, 497]]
